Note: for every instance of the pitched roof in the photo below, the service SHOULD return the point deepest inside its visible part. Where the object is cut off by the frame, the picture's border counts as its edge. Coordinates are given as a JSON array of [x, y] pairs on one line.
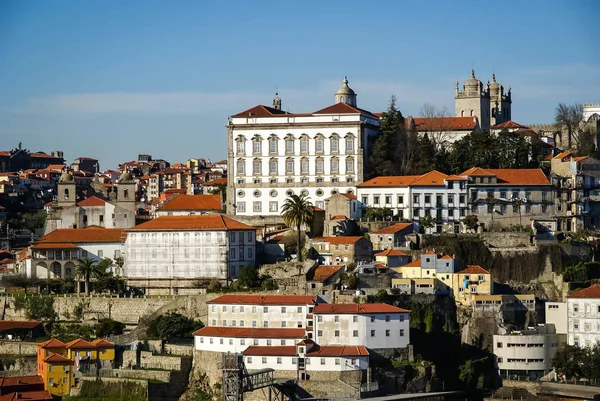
[[260, 111], [20, 380], [341, 108], [215, 222], [52, 343], [563, 155], [81, 235], [322, 273], [265, 299], [339, 240], [431, 179], [41, 395], [243, 332], [101, 342], [338, 217], [389, 181], [445, 123], [515, 176], [55, 245], [477, 171], [394, 228], [349, 196], [316, 351], [390, 252], [80, 344], [216, 181], [193, 202], [340, 309], [592, 291], [414, 263], [18, 324], [92, 201], [473, 269], [510, 124], [57, 358]]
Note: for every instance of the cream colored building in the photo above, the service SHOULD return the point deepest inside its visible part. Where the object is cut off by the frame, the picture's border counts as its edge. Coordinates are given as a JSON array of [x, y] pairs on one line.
[[556, 314], [583, 314]]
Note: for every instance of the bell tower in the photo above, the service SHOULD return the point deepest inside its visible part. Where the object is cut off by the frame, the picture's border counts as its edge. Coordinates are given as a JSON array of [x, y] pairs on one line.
[[67, 191], [126, 192]]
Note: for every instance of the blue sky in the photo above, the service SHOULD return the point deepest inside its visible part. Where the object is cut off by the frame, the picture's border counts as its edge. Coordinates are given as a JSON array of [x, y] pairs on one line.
[[111, 79]]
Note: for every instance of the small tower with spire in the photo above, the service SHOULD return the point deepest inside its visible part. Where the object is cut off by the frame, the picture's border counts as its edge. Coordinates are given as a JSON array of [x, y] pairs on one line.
[[277, 102], [345, 94]]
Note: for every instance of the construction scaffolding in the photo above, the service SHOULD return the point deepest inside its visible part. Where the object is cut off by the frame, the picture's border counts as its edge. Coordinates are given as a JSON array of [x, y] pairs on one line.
[[237, 380]]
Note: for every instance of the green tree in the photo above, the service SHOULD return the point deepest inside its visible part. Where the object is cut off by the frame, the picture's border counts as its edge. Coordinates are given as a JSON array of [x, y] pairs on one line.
[[470, 221], [247, 278], [108, 327], [36, 308], [426, 222], [19, 281], [297, 211], [571, 360], [379, 213], [172, 325], [513, 150], [427, 155], [269, 284], [87, 268]]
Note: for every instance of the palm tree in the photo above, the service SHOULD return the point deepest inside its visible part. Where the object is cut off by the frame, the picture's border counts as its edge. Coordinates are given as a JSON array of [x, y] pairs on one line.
[[296, 211], [88, 268]]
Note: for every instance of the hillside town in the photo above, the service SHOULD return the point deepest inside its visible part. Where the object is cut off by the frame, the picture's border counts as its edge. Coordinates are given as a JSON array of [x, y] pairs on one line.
[[337, 253]]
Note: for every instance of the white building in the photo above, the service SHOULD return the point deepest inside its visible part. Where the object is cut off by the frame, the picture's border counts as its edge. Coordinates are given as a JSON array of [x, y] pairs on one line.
[[435, 194], [273, 153], [55, 254], [583, 310], [556, 314], [527, 352], [187, 248], [374, 326]]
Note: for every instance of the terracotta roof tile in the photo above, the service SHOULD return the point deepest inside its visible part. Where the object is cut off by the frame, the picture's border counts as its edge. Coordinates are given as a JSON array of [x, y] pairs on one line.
[[55, 245], [265, 299], [590, 292], [431, 179], [394, 228], [389, 181], [41, 395], [214, 222], [242, 332], [82, 235], [338, 240], [445, 124], [474, 269], [79, 344], [391, 252], [101, 342], [338, 217], [54, 358], [316, 351], [20, 380], [322, 273], [193, 202], [18, 324], [414, 263], [92, 201], [341, 108], [52, 343], [260, 111], [324, 309], [524, 176], [349, 196], [216, 181], [510, 124]]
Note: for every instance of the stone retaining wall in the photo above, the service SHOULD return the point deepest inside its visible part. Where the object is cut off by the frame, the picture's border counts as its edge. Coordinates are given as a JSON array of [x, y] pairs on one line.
[[23, 366], [149, 361], [17, 348], [140, 374]]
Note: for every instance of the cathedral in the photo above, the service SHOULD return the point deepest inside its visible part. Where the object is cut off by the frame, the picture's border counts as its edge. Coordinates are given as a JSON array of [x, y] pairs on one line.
[[488, 103]]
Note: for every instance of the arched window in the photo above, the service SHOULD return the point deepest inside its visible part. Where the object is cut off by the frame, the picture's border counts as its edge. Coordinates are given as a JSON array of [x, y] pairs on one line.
[[241, 166], [304, 166], [256, 167], [273, 166], [126, 193], [471, 113], [343, 99], [66, 193], [462, 113]]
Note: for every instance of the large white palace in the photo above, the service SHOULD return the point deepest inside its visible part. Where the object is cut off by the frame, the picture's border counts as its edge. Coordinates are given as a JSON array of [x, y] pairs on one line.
[[273, 153]]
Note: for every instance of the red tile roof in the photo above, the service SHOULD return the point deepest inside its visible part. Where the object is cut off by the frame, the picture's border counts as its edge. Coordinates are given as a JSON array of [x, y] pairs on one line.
[[316, 351], [349, 196], [338, 240], [390, 252], [18, 324], [389, 181], [52, 343], [338, 217], [20, 380], [563, 155], [101, 342], [394, 228], [41, 395], [55, 358], [341, 108], [445, 123], [523, 176], [55, 245], [81, 235], [431, 179], [510, 124], [477, 171], [242, 332], [260, 111], [592, 291], [322, 273], [414, 263], [340, 309], [79, 344], [216, 181], [193, 202], [211, 222], [265, 299], [91, 201], [474, 269]]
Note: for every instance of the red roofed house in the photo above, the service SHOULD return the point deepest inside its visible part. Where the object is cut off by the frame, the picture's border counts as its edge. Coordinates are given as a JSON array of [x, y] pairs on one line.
[[319, 153], [324, 277], [20, 330], [189, 205], [55, 254], [343, 250], [443, 131], [393, 236], [505, 197], [392, 258], [472, 280], [583, 317], [340, 212], [170, 253]]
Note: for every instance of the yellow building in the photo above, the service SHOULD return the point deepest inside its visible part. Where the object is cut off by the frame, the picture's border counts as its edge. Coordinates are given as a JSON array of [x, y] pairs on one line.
[[82, 350], [56, 373], [105, 351], [392, 258], [473, 280], [47, 348], [409, 270]]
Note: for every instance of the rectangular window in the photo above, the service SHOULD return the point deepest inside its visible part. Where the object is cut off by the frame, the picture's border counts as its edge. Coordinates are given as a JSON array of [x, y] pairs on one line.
[[283, 323], [319, 333], [376, 199], [337, 361], [249, 360], [289, 146], [336, 319], [335, 166], [289, 167], [322, 361], [319, 318], [304, 145], [387, 333], [372, 319], [279, 360], [273, 207], [349, 165], [257, 206], [334, 145], [319, 145], [354, 319], [349, 145], [354, 333], [256, 146], [372, 333], [336, 333], [388, 199], [401, 332], [241, 207], [272, 146], [387, 318], [264, 360]]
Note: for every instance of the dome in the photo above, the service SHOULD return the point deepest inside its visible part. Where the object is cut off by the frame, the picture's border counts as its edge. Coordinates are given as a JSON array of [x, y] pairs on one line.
[[472, 82], [125, 176], [494, 86], [345, 89], [66, 176]]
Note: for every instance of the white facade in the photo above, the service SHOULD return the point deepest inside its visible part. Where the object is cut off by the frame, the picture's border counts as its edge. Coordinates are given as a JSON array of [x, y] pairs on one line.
[[259, 316], [237, 345], [448, 203], [396, 198], [273, 154], [583, 320], [312, 364], [529, 352], [164, 251], [556, 314]]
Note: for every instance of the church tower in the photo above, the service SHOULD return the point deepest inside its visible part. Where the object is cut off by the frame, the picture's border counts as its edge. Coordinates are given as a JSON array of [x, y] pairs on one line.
[[67, 192], [500, 103], [126, 192], [346, 94], [473, 101], [277, 102]]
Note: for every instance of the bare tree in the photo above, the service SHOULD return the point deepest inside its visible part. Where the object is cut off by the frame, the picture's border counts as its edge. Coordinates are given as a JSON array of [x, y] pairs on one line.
[[436, 124], [570, 119]]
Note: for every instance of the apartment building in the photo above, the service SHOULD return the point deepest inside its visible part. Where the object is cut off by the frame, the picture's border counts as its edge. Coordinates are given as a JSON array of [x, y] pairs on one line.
[[583, 314], [393, 236], [338, 250], [556, 314]]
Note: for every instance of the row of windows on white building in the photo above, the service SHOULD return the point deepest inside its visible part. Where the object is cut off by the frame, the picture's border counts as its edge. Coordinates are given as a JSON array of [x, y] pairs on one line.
[[199, 236], [289, 141], [290, 168]]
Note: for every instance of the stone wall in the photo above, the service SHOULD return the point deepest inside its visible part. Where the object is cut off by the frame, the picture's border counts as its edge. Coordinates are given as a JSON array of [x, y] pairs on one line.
[[18, 366], [507, 239], [17, 348], [140, 374], [150, 361], [129, 359], [208, 363], [180, 350]]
